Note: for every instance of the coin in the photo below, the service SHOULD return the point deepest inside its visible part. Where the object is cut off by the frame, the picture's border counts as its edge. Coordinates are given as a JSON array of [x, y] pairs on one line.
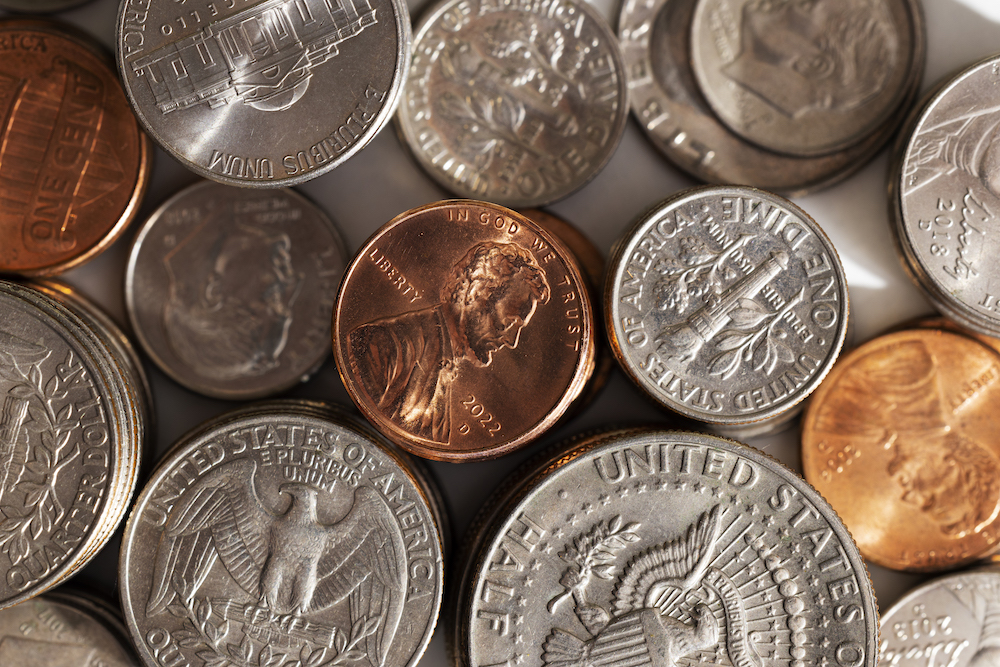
[[804, 78], [662, 548], [463, 330], [230, 290], [267, 93], [73, 162], [726, 304], [281, 534], [667, 104], [944, 198], [909, 418], [69, 443], [520, 104], [953, 618]]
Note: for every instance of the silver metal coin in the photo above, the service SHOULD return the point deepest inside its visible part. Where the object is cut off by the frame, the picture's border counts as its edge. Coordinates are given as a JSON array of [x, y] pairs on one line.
[[665, 548], [278, 535], [726, 304], [263, 93], [518, 104], [666, 102], [230, 291], [945, 195], [804, 78]]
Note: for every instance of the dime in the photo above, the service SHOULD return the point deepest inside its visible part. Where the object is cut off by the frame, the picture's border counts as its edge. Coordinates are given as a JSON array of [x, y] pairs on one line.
[[54, 631], [901, 438], [263, 93], [953, 621], [726, 304], [73, 162], [520, 104], [807, 78], [667, 104], [463, 330], [945, 198], [662, 548], [281, 533], [230, 290]]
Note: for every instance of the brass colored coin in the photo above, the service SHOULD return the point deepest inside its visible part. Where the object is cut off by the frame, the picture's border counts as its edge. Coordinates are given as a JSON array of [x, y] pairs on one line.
[[901, 439], [73, 162], [463, 330]]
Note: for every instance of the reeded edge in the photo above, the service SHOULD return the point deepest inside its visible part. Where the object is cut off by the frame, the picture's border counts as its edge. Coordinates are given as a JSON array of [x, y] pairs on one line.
[[206, 389], [404, 40], [610, 304], [404, 131]]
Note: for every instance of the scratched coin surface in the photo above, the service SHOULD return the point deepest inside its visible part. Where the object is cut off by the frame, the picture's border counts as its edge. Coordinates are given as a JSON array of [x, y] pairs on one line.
[[951, 621], [804, 78], [55, 632], [278, 536], [726, 304], [73, 162], [665, 548], [463, 330], [230, 290], [263, 93], [910, 419], [666, 102], [520, 104], [946, 197]]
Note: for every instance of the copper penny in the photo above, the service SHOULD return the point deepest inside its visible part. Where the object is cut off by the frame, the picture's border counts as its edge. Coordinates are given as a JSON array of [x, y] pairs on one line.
[[463, 330], [73, 163], [901, 439]]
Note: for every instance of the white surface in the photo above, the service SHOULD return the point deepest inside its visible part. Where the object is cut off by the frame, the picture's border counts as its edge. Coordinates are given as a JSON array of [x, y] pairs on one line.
[[383, 181]]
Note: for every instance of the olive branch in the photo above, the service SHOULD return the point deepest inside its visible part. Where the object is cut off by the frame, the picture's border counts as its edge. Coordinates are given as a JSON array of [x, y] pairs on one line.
[[592, 554]]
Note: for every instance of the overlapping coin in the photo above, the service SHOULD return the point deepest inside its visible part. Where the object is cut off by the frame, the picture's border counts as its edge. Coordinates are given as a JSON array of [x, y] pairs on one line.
[[266, 93], [654, 547], [230, 290], [463, 330], [901, 439], [726, 304], [520, 104], [71, 430], [282, 532], [73, 162]]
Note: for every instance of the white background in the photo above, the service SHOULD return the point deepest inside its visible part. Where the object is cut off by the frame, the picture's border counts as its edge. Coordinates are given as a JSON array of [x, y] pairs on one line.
[[382, 181]]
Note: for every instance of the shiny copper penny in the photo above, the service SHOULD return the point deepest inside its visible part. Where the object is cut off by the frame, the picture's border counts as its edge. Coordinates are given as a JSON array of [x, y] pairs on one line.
[[73, 163], [901, 439], [463, 330]]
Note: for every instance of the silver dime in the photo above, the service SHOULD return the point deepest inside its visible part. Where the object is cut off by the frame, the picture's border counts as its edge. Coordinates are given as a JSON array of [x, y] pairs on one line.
[[263, 93], [667, 104], [664, 548], [726, 304], [230, 291], [283, 534], [945, 195], [516, 103], [804, 78]]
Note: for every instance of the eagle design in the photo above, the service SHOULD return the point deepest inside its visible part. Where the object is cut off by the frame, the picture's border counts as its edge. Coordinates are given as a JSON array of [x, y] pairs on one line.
[[286, 561], [641, 632]]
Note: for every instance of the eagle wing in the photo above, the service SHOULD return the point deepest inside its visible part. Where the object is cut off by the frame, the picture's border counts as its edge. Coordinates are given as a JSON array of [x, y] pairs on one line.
[[679, 563], [364, 557], [220, 516]]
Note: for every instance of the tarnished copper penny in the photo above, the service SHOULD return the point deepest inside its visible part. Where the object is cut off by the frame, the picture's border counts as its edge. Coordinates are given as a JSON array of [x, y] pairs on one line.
[[463, 330], [901, 438], [73, 162]]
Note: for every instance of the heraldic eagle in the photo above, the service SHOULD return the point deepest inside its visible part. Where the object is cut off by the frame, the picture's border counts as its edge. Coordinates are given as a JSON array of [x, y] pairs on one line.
[[286, 561], [641, 632]]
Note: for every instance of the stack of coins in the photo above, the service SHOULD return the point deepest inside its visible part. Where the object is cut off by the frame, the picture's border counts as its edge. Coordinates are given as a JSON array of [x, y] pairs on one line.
[[790, 97], [71, 429], [727, 305], [306, 512], [944, 195]]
